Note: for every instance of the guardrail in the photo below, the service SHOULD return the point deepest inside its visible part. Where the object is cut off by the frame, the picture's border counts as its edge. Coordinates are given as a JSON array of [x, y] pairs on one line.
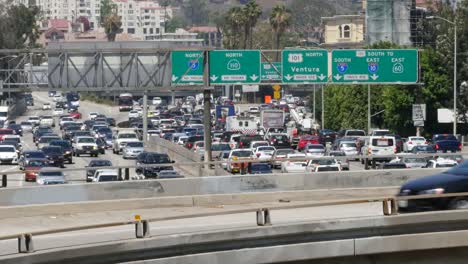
[[262, 217], [124, 171]]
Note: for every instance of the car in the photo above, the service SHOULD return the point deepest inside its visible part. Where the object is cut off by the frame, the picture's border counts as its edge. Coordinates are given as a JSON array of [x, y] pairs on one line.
[[75, 114], [132, 149], [157, 100], [57, 98], [255, 144], [446, 142], [133, 114], [26, 126], [454, 180], [191, 141], [246, 140], [327, 168], [26, 156], [93, 164], [47, 120], [224, 157], [382, 146], [327, 136], [32, 167], [411, 162], [260, 168], [264, 153], [217, 148], [122, 138], [326, 161], [17, 129], [57, 111], [411, 142], [14, 140], [314, 150], [45, 141], [34, 120], [279, 155], [348, 147], [279, 140], [305, 140], [92, 115], [169, 174], [46, 106], [85, 145], [45, 177], [67, 149], [110, 121], [65, 120], [101, 144], [441, 163], [238, 155], [340, 156], [103, 132], [294, 165], [55, 155], [148, 164], [105, 175], [4, 132], [8, 154]]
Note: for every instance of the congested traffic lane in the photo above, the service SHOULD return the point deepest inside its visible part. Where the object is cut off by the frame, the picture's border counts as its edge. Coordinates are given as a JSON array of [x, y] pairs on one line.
[[78, 162]]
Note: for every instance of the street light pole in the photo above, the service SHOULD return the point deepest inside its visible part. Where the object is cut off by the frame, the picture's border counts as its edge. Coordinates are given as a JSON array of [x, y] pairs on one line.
[[454, 23]]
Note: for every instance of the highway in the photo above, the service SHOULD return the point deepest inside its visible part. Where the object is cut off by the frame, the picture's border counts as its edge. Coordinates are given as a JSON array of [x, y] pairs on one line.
[[165, 228]]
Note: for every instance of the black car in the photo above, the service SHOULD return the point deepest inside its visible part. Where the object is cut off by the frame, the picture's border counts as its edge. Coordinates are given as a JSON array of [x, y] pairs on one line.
[[110, 121], [26, 156], [17, 129], [40, 131], [260, 168], [454, 180], [68, 132], [279, 141], [55, 155], [423, 149], [66, 148], [102, 145], [96, 164], [153, 159], [327, 135]]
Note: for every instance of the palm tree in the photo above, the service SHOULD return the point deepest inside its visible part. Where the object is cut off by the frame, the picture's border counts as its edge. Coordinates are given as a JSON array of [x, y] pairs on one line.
[[165, 4], [280, 18], [252, 12], [235, 20]]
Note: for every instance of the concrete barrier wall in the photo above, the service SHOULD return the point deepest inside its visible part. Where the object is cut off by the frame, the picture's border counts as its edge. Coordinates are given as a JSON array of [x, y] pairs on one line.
[[177, 154], [207, 185]]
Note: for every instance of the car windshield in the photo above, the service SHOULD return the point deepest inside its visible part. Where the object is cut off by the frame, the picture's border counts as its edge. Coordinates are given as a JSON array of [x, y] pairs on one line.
[[9, 140], [49, 150], [461, 169], [106, 178], [6, 132], [348, 145], [315, 147], [327, 169], [37, 163], [424, 148], [85, 140], [382, 142], [157, 158], [26, 123], [355, 133], [134, 144], [266, 149], [323, 162], [127, 136], [7, 149], [284, 151], [100, 163], [418, 139], [261, 167], [34, 155], [51, 174], [220, 147], [241, 154]]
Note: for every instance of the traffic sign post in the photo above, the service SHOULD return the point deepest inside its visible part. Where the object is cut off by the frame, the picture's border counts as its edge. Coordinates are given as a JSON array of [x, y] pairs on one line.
[[375, 66], [269, 73], [304, 66], [234, 67], [187, 67]]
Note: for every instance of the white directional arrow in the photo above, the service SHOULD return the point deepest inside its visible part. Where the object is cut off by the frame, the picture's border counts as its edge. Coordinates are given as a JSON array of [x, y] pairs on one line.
[[288, 77], [254, 77], [214, 78], [337, 77], [174, 78], [374, 77], [321, 77]]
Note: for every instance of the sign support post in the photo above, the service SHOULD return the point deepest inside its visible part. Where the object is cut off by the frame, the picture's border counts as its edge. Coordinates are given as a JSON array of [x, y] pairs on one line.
[[207, 110], [369, 110]]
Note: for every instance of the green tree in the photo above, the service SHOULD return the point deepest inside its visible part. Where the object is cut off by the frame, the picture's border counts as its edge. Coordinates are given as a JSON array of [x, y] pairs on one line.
[[109, 19], [280, 19], [252, 11], [234, 23], [175, 23], [165, 4], [18, 27], [195, 12]]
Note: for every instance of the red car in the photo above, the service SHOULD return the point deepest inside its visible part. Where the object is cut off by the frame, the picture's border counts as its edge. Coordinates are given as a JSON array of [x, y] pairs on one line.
[[75, 115], [308, 139], [32, 168]]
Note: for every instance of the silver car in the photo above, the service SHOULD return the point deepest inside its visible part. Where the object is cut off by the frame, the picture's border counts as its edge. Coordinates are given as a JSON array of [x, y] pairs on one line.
[[50, 177], [132, 150]]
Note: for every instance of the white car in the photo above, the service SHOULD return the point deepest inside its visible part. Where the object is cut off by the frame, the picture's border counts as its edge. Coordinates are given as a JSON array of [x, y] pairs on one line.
[[65, 120], [57, 98], [26, 126], [57, 112], [133, 114], [34, 120], [411, 142], [8, 154], [348, 147], [92, 115], [255, 144], [50, 177], [132, 150], [294, 166], [264, 153], [441, 163], [122, 138], [46, 106], [47, 121], [157, 100], [314, 163], [325, 168], [314, 150], [85, 145], [105, 175]]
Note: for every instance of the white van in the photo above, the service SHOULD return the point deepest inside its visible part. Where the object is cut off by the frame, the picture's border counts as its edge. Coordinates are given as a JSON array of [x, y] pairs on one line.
[[379, 146]]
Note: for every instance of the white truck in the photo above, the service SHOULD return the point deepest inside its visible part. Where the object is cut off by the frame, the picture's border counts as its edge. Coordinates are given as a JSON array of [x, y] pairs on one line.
[[247, 125], [4, 113], [122, 138]]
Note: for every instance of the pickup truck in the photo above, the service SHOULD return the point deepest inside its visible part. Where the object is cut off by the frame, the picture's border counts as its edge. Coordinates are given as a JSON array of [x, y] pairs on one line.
[[446, 142]]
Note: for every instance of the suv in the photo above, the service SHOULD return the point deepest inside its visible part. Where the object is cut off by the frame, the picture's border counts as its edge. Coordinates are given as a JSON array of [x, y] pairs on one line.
[[122, 138], [154, 159], [47, 121], [66, 148], [278, 140], [85, 145], [379, 146], [54, 154]]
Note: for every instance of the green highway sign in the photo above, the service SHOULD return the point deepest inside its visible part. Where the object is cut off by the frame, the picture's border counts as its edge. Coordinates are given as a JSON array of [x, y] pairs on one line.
[[187, 67], [234, 67], [305, 66], [269, 73], [375, 66]]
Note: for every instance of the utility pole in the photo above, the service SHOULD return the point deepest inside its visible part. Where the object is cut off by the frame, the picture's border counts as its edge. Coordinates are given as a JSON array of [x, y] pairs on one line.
[[207, 111], [368, 109], [145, 117], [323, 108], [314, 104]]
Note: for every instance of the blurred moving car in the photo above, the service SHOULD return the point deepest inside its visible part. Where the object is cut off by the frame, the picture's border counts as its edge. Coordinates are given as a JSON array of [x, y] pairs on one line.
[[294, 165], [45, 177], [32, 167], [260, 168], [132, 149], [94, 164]]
